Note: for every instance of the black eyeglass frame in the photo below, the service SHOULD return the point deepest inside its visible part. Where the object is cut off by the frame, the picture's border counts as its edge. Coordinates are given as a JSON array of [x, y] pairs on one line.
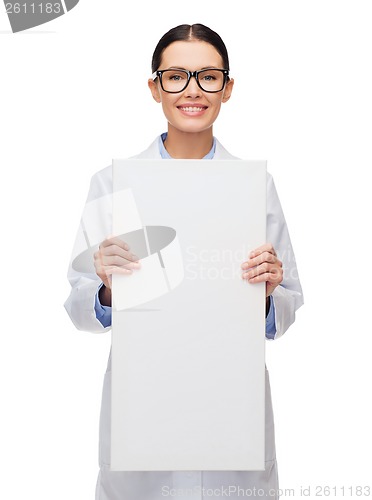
[[195, 74]]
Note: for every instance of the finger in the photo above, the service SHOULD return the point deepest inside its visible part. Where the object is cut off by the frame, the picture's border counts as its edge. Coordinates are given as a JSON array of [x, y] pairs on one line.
[[263, 268], [107, 272], [261, 278], [114, 240], [109, 279], [119, 251], [267, 247], [274, 277], [117, 270], [255, 271], [263, 257], [118, 261]]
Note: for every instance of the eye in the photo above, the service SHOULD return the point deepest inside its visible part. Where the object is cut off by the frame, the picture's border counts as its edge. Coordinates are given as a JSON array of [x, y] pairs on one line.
[[209, 78], [175, 76]]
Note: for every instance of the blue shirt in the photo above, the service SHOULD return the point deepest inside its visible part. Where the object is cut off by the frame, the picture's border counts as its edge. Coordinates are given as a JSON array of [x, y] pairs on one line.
[[103, 313], [166, 156]]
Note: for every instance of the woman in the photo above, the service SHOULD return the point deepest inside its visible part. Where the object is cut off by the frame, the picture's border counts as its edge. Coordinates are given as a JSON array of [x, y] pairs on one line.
[[191, 80]]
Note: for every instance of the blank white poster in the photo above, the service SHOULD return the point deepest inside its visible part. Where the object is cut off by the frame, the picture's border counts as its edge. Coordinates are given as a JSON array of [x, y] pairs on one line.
[[188, 333]]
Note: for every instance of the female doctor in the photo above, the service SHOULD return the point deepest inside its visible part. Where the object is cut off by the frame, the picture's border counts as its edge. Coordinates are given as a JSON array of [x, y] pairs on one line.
[[191, 81]]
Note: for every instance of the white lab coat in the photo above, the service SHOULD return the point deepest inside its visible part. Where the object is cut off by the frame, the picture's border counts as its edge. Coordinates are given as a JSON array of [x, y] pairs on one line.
[[192, 484]]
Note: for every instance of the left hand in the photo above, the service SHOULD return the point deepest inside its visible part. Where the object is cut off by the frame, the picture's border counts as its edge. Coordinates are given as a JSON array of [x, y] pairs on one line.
[[263, 265]]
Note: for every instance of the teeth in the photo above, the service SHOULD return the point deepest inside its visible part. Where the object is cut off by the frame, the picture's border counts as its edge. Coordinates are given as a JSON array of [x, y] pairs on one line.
[[189, 108]]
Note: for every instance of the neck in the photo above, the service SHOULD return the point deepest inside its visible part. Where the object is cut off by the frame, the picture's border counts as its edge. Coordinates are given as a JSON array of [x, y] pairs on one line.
[[188, 145]]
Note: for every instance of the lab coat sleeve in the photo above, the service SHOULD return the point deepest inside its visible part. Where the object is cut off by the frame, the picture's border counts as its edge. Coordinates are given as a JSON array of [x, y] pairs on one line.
[[80, 304], [288, 295]]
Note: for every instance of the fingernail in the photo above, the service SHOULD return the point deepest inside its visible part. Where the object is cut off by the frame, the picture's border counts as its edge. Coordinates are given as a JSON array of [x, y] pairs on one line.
[[126, 246]]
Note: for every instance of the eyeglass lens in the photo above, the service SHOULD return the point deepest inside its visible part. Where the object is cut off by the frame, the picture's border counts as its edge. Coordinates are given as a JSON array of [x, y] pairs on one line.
[[175, 80]]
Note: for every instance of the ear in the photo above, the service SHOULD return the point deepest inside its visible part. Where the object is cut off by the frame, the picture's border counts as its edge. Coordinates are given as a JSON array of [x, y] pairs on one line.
[[228, 89], [154, 88]]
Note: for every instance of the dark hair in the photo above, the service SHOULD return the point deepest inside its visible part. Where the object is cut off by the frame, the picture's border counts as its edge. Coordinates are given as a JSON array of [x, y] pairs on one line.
[[186, 32]]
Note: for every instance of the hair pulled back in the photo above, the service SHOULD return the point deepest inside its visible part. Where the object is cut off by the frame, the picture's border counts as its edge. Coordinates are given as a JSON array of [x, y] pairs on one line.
[[188, 32]]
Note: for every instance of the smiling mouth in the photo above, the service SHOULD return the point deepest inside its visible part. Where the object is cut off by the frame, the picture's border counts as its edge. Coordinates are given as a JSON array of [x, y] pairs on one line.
[[192, 109]]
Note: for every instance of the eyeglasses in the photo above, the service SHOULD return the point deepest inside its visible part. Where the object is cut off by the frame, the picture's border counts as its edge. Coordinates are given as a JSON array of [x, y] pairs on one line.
[[175, 80]]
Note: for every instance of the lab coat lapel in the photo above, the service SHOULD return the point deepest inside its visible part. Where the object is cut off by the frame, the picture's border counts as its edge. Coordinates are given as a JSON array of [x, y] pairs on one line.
[[222, 154], [152, 152]]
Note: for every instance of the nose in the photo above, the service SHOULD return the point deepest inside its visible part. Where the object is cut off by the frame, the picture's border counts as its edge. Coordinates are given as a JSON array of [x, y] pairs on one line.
[[193, 89]]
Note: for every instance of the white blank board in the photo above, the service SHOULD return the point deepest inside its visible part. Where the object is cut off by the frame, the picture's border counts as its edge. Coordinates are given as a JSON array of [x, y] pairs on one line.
[[188, 333]]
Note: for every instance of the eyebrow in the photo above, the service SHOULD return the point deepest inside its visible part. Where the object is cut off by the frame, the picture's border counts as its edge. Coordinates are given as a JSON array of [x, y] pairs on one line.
[[206, 67]]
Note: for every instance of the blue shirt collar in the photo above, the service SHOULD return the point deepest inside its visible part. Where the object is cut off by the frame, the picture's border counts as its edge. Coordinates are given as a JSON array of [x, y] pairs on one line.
[[165, 155]]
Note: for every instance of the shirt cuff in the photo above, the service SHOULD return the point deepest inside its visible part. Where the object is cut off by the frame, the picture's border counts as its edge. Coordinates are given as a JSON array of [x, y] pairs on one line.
[[270, 321], [103, 313]]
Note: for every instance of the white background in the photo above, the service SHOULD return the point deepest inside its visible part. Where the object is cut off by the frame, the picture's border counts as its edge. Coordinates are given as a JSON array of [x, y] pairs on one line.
[[73, 96]]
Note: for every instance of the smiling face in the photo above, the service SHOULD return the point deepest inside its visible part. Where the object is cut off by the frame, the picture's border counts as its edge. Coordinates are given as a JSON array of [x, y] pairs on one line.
[[191, 110]]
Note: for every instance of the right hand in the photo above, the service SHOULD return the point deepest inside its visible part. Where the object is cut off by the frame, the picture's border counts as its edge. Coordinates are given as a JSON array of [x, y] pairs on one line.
[[113, 256]]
